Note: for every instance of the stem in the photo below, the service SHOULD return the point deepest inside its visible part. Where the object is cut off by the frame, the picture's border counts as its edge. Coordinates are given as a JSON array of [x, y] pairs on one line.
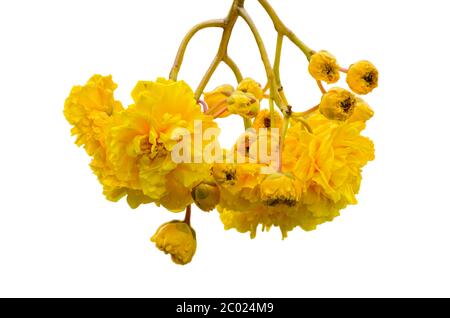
[[276, 63], [182, 50], [286, 122], [304, 123], [233, 66], [207, 77], [247, 123], [229, 23], [265, 58], [272, 111], [281, 28], [322, 89], [187, 218], [276, 67], [309, 111]]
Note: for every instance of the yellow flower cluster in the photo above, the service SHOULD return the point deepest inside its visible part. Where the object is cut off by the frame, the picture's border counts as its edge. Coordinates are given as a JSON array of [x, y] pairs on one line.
[[321, 175], [289, 169], [132, 147]]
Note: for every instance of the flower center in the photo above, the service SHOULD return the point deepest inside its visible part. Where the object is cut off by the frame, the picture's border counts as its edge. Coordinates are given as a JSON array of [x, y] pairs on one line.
[[346, 105], [281, 200], [145, 145], [328, 69], [369, 78], [267, 122]]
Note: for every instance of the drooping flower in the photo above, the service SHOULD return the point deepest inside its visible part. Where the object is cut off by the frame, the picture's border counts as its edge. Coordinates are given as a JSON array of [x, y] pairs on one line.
[[324, 67], [88, 108], [362, 77], [178, 239], [321, 175], [328, 165], [92, 110], [337, 104], [140, 145]]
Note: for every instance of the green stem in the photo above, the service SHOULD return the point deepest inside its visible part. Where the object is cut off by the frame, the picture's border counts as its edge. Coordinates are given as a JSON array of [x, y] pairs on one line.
[[265, 59], [247, 123], [281, 28], [233, 66], [286, 122], [276, 64], [229, 23], [184, 44]]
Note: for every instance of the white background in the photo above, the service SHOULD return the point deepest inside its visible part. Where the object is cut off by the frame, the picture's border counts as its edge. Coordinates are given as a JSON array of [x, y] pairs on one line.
[[60, 237]]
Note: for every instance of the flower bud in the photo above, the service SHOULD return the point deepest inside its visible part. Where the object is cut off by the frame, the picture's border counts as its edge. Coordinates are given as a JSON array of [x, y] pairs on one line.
[[243, 104], [218, 98], [362, 77], [324, 67], [178, 239], [206, 196], [337, 104], [249, 85]]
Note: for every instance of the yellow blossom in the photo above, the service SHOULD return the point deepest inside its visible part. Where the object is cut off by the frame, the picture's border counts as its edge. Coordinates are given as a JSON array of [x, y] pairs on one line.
[[177, 239], [217, 99], [337, 104], [243, 104], [249, 85], [88, 109], [328, 164], [321, 175], [362, 77], [206, 196], [139, 146], [92, 110], [324, 67]]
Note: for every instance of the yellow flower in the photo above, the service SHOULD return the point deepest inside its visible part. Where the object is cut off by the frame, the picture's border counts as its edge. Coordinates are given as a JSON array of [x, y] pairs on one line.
[[362, 77], [92, 110], [140, 144], [264, 120], [243, 104], [177, 239], [321, 176], [279, 189], [337, 104], [88, 109], [362, 112], [328, 165], [217, 100], [249, 85], [224, 174], [206, 196], [324, 67]]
